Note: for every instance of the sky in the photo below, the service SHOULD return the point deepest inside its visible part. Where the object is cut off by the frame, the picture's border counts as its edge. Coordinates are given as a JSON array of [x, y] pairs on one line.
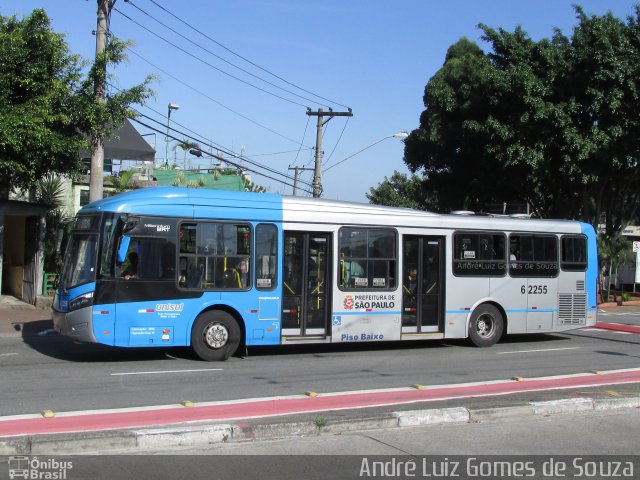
[[245, 73]]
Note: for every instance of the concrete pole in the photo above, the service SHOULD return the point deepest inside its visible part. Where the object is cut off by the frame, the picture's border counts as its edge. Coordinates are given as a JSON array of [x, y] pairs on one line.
[[317, 174], [97, 157]]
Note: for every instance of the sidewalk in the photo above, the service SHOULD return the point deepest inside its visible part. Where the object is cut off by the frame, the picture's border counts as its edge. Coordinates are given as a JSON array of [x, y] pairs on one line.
[[15, 315]]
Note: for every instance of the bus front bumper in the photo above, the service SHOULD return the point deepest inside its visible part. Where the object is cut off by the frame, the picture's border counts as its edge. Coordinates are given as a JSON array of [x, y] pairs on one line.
[[77, 324]]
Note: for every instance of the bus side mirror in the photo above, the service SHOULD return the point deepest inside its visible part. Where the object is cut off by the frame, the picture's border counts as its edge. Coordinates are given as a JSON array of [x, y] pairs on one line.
[[123, 249]]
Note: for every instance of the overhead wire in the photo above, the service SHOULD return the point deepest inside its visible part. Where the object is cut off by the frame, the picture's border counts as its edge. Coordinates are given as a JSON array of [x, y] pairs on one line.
[[168, 27], [230, 162], [188, 24], [217, 102], [201, 139], [208, 142], [328, 159], [186, 52]]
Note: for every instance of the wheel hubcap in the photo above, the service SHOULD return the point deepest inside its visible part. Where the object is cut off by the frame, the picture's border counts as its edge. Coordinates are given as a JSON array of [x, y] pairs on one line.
[[216, 335], [485, 325]]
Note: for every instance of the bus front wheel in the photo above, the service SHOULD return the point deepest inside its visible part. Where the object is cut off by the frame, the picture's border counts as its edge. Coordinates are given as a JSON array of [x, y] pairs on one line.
[[485, 326], [215, 336]]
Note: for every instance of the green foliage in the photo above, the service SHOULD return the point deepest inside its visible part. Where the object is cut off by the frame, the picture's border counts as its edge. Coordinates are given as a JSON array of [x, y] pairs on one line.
[[401, 191], [50, 192], [38, 117], [121, 182], [49, 105], [249, 186], [553, 123]]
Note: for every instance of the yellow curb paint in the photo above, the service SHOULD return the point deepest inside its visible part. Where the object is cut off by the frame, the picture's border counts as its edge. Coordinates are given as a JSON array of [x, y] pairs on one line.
[[187, 403], [518, 379], [48, 413], [417, 386], [311, 394]]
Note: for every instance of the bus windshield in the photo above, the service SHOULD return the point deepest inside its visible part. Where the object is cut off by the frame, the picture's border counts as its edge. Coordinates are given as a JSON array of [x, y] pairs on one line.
[[80, 260]]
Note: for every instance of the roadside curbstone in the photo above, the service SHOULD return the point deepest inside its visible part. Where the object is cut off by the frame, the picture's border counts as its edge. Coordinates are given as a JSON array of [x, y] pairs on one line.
[[566, 405], [81, 442], [487, 414], [177, 436], [616, 403], [415, 418], [141, 439]]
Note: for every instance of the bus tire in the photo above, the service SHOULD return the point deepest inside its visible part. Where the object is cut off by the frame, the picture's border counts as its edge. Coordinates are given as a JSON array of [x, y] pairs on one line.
[[215, 336], [486, 326]]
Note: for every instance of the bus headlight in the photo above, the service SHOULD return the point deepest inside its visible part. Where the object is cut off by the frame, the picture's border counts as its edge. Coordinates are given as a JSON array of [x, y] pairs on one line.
[[84, 300]]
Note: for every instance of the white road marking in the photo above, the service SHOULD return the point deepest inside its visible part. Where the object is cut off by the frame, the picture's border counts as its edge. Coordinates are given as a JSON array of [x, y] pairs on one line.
[[542, 350], [7, 354], [167, 371]]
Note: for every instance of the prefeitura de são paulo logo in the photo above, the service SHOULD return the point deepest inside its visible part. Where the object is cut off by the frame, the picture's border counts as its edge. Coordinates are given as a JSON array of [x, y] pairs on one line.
[[348, 302]]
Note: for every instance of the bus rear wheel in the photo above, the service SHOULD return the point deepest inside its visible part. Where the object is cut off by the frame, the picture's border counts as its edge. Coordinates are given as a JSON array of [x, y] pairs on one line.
[[486, 326], [215, 336]]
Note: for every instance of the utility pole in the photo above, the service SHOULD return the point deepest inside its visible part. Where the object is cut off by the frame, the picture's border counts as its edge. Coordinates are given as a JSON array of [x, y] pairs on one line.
[[317, 181], [295, 177], [97, 156]]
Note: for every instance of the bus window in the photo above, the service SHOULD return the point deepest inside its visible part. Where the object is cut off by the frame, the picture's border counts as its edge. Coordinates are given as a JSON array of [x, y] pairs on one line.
[[533, 255], [573, 251], [479, 254], [148, 259], [215, 256], [368, 258], [266, 256]]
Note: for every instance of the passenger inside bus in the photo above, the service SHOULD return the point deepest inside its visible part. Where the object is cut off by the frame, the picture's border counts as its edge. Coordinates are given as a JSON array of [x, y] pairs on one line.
[[131, 270]]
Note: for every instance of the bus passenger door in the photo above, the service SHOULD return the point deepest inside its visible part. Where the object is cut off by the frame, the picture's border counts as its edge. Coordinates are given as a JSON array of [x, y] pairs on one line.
[[305, 290], [422, 284]]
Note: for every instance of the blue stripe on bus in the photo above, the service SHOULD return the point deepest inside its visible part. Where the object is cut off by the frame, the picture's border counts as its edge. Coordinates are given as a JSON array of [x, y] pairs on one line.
[[538, 310]]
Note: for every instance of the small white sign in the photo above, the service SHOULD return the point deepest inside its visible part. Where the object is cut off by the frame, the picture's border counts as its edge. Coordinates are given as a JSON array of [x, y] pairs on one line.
[[636, 247]]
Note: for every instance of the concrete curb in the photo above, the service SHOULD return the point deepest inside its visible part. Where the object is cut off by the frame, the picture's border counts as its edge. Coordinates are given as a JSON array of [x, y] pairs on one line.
[[139, 440]]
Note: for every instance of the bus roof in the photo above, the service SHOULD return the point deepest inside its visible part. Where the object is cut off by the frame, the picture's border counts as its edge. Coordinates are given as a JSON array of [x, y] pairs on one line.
[[208, 203]]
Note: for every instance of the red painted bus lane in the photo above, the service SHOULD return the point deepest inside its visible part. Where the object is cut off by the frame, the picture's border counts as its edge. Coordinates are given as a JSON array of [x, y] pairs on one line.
[[618, 327], [270, 407]]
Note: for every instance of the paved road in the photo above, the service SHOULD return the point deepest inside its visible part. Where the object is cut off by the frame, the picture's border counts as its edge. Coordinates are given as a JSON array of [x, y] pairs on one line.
[[48, 372]]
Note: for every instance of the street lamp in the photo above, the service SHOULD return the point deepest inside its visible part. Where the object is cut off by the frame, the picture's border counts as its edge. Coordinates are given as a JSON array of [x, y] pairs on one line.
[[171, 106], [399, 135]]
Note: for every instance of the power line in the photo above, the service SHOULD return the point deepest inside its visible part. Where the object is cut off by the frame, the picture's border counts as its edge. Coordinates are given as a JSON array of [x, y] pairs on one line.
[[244, 58], [344, 127], [160, 69], [186, 52], [200, 139], [222, 158], [208, 142], [218, 56]]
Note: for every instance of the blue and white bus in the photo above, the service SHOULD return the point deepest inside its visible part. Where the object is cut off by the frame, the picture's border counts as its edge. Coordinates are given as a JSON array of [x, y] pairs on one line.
[[220, 270]]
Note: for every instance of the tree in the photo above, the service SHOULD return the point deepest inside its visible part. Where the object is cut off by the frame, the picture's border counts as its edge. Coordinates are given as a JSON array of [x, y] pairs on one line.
[[50, 192], [121, 182], [553, 123], [47, 101], [249, 186], [402, 191], [38, 115], [185, 145]]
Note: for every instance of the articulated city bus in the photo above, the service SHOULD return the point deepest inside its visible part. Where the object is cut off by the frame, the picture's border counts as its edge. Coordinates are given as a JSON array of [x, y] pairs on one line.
[[219, 270]]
